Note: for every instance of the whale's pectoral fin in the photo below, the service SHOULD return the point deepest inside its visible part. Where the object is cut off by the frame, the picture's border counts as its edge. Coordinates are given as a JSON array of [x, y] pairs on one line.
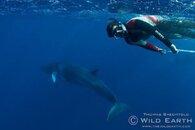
[[54, 76], [116, 109]]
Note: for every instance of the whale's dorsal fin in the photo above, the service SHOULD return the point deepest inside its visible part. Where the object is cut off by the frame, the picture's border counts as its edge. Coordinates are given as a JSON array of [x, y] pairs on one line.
[[94, 72]]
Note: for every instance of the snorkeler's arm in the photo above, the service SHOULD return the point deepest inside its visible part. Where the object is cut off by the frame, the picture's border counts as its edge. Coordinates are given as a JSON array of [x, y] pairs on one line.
[[147, 45], [150, 29]]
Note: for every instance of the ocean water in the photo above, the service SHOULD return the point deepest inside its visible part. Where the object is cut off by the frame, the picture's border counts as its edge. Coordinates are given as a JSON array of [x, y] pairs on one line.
[[36, 32]]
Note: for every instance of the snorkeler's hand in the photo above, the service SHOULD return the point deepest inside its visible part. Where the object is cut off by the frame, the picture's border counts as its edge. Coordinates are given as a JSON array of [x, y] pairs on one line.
[[174, 49], [162, 51]]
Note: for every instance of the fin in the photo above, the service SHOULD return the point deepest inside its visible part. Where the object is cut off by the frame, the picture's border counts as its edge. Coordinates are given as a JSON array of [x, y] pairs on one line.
[[94, 72], [116, 109], [53, 76]]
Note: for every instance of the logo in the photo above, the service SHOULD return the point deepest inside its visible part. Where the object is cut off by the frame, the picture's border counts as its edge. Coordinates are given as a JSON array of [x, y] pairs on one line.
[[162, 120], [133, 120]]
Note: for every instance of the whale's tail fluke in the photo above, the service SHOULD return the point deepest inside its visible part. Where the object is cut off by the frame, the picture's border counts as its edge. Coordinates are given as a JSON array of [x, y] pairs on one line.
[[116, 109]]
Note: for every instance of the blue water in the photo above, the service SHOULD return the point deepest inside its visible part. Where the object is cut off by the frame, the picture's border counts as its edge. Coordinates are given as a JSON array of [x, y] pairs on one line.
[[146, 81]]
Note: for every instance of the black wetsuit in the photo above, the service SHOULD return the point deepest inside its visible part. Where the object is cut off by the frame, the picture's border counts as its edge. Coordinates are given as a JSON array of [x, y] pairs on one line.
[[141, 28]]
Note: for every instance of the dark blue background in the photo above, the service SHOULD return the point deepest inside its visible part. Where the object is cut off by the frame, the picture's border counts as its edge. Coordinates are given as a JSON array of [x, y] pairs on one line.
[[146, 81]]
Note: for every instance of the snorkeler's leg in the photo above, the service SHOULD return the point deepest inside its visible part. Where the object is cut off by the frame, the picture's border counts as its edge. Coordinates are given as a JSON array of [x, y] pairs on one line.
[[186, 32], [182, 24], [172, 27]]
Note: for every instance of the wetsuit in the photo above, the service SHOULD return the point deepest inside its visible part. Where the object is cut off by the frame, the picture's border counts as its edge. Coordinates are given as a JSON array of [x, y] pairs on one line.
[[141, 28]]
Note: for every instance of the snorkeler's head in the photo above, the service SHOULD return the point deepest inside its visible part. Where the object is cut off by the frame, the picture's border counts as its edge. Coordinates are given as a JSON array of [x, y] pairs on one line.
[[110, 27], [116, 29]]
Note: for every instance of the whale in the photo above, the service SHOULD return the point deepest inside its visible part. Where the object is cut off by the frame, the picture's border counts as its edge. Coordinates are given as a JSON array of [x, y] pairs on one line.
[[87, 78]]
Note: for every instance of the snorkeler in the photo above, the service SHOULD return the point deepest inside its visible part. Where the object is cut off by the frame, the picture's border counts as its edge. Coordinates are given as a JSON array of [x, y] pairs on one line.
[[137, 30]]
